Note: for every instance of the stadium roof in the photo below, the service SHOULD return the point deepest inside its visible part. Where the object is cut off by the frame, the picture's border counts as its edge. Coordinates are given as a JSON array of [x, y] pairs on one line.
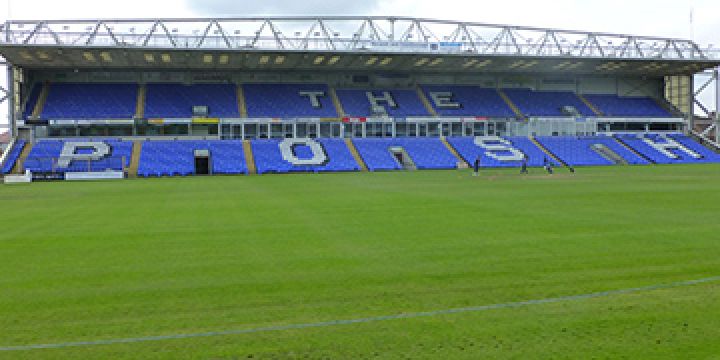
[[341, 44]]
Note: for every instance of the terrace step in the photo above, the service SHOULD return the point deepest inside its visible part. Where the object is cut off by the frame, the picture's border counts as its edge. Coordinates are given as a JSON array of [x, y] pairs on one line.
[[140, 105], [548, 152], [590, 105], [425, 101], [355, 154], [511, 104], [454, 151], [135, 159], [242, 105], [19, 167], [630, 148], [336, 102], [249, 159], [40, 104]]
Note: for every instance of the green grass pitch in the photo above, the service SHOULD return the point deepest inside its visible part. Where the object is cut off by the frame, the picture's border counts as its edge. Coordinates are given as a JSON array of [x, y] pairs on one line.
[[137, 258]]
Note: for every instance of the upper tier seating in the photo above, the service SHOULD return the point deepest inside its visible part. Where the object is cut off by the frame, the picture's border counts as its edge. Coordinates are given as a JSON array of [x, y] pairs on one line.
[[407, 103], [32, 101], [578, 151], [90, 101], [45, 153], [426, 153], [286, 100], [470, 150], [546, 103], [177, 100], [473, 101], [613, 105], [684, 154], [269, 158], [13, 156], [171, 158]]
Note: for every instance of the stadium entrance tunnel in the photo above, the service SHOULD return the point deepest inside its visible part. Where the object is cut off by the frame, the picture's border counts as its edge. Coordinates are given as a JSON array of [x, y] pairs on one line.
[[608, 154], [402, 158], [202, 162]]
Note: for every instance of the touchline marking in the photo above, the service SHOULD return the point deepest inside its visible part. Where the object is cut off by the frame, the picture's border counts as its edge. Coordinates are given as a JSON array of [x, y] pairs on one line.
[[364, 320]]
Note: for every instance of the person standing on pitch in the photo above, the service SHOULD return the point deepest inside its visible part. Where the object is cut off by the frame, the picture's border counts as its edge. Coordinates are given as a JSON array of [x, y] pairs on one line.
[[524, 169], [547, 165], [476, 166]]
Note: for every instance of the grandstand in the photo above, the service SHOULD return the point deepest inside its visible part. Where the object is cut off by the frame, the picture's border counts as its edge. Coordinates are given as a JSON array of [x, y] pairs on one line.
[[160, 103]]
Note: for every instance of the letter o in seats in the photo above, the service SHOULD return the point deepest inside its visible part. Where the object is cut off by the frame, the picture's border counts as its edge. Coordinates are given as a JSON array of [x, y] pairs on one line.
[[319, 156]]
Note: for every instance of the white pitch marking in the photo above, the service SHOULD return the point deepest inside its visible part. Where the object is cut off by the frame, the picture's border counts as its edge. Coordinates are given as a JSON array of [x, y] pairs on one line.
[[364, 320]]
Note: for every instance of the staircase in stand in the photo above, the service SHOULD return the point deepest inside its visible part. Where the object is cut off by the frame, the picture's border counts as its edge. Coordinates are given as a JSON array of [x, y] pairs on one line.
[[19, 167], [632, 149], [40, 104], [511, 104], [135, 159], [454, 152], [425, 101], [355, 154], [249, 159], [548, 152]]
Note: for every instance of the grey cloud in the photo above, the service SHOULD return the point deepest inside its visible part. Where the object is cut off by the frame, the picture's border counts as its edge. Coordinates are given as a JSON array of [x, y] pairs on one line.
[[281, 7]]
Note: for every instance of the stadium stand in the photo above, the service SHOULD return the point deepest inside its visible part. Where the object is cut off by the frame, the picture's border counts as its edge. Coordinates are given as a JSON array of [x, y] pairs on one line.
[[177, 158], [45, 153], [270, 159], [12, 156], [580, 151], [288, 100], [471, 101], [425, 153], [663, 149], [89, 101], [492, 154], [613, 105], [546, 103], [177, 100], [397, 103]]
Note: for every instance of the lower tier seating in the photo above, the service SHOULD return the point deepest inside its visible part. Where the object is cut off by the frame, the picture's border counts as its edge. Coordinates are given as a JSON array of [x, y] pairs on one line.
[[579, 151], [332, 155], [177, 158], [13, 156], [425, 153], [45, 154], [498, 152]]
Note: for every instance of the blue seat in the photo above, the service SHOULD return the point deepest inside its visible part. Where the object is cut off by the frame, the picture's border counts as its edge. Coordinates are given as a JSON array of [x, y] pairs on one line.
[[268, 157], [469, 151], [44, 154], [284, 100], [13, 156], [426, 153], [473, 100], [356, 104], [682, 157], [89, 101], [177, 158], [546, 103], [177, 100], [578, 151], [613, 105]]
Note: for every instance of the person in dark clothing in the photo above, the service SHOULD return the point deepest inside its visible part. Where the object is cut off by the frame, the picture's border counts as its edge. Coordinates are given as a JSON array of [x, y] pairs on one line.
[[547, 165], [476, 166], [524, 169]]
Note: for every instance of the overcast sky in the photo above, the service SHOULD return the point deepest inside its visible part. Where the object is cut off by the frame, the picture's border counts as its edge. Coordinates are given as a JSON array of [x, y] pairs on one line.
[[668, 18]]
